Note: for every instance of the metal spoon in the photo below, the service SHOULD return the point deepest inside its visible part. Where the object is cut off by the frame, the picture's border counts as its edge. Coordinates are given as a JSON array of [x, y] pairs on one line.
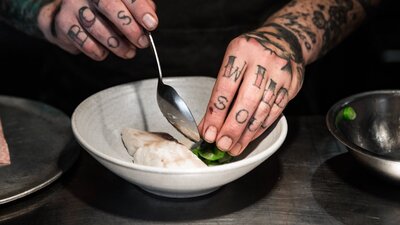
[[172, 105]]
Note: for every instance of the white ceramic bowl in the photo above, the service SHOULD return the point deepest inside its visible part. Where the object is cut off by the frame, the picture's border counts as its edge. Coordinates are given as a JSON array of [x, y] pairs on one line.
[[97, 123]]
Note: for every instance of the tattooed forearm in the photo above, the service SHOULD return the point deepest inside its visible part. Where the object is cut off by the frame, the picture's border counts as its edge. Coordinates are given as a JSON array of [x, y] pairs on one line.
[[320, 25], [303, 32], [280, 33], [332, 25], [22, 14]]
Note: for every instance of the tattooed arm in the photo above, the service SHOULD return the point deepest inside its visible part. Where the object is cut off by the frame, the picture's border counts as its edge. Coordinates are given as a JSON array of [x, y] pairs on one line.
[[263, 70], [94, 27], [22, 14]]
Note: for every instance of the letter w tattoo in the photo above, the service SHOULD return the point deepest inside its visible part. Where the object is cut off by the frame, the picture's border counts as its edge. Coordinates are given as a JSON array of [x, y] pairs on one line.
[[231, 71]]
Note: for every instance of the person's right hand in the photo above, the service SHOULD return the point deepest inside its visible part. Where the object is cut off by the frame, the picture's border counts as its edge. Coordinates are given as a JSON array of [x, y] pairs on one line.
[[97, 27]]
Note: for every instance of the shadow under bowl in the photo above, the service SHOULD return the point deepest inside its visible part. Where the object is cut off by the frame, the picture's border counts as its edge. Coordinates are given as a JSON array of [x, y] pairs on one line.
[[373, 136]]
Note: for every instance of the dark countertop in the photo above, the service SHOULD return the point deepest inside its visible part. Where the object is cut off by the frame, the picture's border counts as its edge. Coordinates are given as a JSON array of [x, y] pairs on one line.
[[310, 180]]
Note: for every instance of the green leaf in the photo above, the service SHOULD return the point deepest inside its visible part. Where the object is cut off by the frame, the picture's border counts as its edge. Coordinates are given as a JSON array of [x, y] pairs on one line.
[[349, 113]]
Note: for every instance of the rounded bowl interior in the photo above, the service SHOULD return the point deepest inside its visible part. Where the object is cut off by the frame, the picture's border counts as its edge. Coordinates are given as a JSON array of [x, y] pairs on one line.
[[374, 135], [97, 123]]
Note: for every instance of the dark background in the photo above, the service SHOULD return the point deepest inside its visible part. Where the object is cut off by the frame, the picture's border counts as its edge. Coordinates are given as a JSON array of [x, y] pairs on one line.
[[367, 60]]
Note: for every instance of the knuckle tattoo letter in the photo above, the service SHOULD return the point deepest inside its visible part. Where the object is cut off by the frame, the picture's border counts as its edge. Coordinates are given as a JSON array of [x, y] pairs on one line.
[[86, 17], [252, 126], [230, 70], [113, 42], [282, 97], [77, 35], [260, 75], [221, 104], [242, 115], [122, 16]]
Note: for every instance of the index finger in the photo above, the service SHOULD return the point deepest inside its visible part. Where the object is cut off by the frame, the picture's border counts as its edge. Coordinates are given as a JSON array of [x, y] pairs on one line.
[[144, 12], [229, 78]]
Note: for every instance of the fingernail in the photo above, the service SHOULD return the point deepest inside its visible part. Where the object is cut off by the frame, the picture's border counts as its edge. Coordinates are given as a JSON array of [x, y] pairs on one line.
[[224, 143], [143, 41], [130, 54], [149, 21], [211, 134], [236, 149]]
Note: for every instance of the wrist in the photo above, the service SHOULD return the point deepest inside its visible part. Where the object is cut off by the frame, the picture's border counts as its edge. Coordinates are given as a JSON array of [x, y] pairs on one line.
[[305, 48]]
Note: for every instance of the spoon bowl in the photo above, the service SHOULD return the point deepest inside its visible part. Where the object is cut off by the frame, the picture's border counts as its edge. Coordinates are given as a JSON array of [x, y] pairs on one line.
[[173, 107]]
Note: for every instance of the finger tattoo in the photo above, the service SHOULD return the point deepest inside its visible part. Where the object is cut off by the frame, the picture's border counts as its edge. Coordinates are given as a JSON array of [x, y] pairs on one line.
[[86, 17], [260, 75], [96, 2], [230, 70], [221, 104], [269, 93], [77, 35], [252, 125], [282, 97], [241, 116], [122, 16], [113, 42]]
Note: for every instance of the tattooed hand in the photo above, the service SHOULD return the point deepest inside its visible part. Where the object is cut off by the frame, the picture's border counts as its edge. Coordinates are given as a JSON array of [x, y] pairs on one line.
[[261, 72], [96, 27]]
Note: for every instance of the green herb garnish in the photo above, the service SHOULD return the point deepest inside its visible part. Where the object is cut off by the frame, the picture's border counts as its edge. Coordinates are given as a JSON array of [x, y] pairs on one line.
[[349, 113], [211, 155]]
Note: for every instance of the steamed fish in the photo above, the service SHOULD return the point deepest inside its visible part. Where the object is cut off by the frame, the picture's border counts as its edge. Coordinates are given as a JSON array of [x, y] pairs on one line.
[[159, 150]]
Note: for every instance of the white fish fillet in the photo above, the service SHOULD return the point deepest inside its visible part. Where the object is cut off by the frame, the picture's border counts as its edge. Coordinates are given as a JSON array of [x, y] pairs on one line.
[[4, 153], [159, 150]]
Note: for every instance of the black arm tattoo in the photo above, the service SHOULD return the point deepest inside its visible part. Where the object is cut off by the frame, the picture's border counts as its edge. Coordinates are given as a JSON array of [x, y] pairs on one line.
[[281, 33], [303, 32], [333, 26], [23, 14]]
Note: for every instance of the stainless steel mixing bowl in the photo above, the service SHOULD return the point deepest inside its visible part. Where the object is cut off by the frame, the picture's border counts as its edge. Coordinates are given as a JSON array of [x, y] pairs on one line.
[[373, 136]]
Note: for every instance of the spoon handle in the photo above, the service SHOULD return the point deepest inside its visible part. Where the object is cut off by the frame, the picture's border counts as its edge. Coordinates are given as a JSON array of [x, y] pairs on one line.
[[153, 47]]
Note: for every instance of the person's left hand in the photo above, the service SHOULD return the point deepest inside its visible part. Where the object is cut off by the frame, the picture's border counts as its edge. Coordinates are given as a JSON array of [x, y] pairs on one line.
[[261, 72]]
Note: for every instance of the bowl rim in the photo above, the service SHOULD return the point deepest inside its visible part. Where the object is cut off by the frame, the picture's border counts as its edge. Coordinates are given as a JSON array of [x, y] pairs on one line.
[[330, 121], [262, 156]]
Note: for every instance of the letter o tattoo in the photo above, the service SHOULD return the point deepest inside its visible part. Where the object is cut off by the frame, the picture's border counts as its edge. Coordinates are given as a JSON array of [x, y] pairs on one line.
[[241, 116], [113, 42]]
